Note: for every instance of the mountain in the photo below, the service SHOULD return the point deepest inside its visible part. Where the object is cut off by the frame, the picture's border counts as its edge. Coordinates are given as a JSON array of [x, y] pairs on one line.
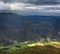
[[23, 28]]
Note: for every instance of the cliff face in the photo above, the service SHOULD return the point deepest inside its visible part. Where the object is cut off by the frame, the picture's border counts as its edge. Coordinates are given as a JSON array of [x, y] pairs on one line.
[[22, 28]]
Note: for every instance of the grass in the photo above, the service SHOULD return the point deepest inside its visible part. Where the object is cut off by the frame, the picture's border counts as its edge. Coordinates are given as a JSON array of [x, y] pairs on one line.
[[32, 48]]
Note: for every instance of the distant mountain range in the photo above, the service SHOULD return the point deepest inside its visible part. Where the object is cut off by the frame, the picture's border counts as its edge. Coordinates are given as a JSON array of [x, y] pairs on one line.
[[23, 28]]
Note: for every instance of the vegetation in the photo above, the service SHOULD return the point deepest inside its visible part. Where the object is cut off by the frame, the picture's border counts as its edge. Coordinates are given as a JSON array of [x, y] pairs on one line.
[[31, 48]]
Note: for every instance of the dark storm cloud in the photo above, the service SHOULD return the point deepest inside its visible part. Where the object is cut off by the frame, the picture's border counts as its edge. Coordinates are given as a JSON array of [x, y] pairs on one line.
[[44, 1], [34, 1], [12, 1]]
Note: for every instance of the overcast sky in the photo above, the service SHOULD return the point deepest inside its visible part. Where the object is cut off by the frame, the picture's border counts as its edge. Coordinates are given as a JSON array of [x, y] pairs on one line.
[[31, 7]]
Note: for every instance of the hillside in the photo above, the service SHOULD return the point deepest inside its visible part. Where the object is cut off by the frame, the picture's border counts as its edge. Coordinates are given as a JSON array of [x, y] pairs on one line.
[[51, 48], [23, 28]]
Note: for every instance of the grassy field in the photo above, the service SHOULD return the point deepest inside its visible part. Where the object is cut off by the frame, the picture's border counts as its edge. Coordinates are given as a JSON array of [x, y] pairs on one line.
[[32, 48]]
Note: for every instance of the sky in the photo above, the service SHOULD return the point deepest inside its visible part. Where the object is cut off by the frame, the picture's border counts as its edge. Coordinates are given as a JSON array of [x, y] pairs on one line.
[[31, 7]]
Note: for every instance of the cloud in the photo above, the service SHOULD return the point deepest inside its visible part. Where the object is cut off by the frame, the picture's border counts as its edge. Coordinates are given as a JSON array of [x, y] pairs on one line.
[[30, 9], [12, 1], [33, 1], [4, 6]]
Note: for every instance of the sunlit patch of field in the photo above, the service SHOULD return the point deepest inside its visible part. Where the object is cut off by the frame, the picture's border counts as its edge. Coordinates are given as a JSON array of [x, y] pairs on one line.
[[36, 44], [55, 44]]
